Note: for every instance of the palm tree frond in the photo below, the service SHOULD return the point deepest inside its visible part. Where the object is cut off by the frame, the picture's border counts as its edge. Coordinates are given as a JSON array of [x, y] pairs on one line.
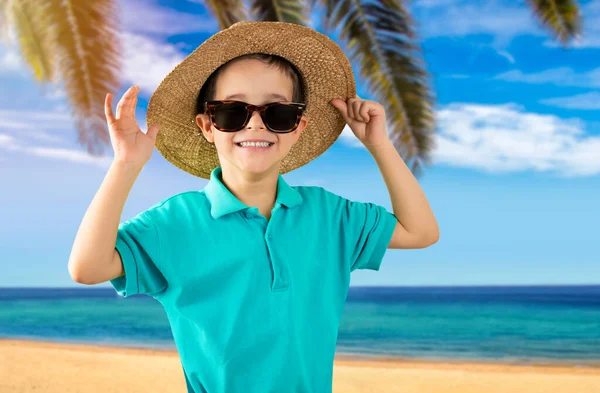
[[4, 25], [88, 50], [227, 12], [380, 37], [291, 11], [30, 34], [561, 17]]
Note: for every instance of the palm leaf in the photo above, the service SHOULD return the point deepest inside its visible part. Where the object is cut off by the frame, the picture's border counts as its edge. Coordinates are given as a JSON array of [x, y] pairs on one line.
[[227, 12], [380, 38], [291, 11], [76, 41], [34, 42], [88, 51], [561, 17], [4, 24]]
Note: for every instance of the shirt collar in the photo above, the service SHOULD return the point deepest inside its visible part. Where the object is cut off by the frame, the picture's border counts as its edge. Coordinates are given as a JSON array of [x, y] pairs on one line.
[[223, 202]]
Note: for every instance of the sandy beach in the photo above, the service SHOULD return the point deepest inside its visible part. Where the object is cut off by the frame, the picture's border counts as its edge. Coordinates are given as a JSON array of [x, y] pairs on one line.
[[30, 366]]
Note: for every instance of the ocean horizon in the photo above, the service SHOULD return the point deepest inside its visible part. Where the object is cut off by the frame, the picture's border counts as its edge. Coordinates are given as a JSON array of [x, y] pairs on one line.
[[534, 324]]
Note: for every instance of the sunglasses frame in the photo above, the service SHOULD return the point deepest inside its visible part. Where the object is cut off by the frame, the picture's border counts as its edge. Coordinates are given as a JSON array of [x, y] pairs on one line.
[[209, 107]]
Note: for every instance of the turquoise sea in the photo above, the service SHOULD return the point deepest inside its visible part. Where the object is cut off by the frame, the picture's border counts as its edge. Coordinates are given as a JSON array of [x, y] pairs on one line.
[[512, 324]]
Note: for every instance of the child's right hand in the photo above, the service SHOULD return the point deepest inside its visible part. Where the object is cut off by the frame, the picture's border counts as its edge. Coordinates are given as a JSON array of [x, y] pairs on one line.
[[129, 143]]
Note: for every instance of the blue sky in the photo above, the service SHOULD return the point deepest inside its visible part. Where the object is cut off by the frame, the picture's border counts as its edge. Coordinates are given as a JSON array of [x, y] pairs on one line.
[[515, 173]]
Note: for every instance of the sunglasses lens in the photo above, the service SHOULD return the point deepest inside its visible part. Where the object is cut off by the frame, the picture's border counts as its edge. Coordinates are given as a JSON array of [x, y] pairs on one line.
[[281, 117], [229, 116]]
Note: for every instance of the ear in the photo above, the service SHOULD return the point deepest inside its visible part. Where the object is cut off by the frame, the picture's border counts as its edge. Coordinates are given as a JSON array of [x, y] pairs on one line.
[[301, 126], [203, 122]]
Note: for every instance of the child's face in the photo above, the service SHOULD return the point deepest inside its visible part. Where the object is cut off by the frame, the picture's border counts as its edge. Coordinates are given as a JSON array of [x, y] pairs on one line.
[[252, 81]]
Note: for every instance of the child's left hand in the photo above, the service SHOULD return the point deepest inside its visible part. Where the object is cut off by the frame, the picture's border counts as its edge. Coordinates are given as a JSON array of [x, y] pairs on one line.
[[365, 118]]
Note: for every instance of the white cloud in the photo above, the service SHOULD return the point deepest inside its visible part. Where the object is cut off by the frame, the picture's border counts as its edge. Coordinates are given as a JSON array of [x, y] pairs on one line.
[[505, 138], [587, 101], [502, 20], [7, 141], [35, 123], [348, 138], [147, 62], [69, 155], [57, 93], [492, 24], [30, 132], [10, 61], [148, 17], [508, 56], [38, 135], [11, 143], [30, 127], [562, 76]]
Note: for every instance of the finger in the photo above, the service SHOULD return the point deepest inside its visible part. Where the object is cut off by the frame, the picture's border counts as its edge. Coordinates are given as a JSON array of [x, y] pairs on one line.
[[360, 110], [110, 116], [134, 103], [350, 108], [153, 131], [364, 112], [130, 102], [342, 107], [125, 102], [356, 109]]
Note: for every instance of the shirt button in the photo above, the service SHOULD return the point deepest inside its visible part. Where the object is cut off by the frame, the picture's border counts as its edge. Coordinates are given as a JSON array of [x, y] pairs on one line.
[[270, 237]]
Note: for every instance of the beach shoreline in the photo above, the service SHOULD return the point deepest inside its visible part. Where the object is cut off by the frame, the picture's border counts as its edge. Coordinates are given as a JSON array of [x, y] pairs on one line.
[[135, 369], [342, 358]]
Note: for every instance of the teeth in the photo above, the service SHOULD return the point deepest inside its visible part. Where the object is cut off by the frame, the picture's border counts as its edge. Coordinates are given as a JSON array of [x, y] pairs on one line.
[[255, 144]]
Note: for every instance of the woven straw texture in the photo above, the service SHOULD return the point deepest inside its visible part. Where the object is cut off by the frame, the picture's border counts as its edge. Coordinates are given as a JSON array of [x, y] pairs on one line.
[[326, 74]]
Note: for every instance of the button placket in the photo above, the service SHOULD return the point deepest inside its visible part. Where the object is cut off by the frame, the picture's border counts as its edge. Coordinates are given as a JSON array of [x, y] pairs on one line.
[[280, 269]]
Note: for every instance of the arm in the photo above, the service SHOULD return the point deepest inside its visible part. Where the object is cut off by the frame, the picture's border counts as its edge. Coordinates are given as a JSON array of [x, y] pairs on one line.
[[417, 226], [94, 258]]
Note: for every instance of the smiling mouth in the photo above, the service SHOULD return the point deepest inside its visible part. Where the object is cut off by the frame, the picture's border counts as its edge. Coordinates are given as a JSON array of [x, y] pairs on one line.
[[256, 145]]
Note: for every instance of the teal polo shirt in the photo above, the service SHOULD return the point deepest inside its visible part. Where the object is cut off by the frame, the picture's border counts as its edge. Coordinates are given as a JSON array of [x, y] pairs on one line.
[[254, 304]]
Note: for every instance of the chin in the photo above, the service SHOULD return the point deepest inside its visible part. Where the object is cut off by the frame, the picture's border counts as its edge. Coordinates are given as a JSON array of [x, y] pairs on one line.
[[257, 167]]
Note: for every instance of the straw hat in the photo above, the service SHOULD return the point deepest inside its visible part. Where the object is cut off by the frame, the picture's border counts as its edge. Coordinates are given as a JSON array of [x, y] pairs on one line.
[[325, 71]]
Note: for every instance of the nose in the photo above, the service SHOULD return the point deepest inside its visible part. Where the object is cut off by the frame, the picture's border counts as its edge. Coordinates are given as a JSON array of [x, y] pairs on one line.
[[255, 121]]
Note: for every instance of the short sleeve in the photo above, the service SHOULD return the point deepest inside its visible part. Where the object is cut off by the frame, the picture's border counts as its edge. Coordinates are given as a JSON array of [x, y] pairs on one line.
[[367, 229], [138, 243]]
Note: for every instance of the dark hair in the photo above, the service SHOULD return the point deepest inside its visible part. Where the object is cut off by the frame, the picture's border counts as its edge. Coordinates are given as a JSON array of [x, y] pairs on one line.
[[208, 91]]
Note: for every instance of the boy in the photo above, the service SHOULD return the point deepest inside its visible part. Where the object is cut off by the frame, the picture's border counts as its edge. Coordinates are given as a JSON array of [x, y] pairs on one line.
[[252, 273]]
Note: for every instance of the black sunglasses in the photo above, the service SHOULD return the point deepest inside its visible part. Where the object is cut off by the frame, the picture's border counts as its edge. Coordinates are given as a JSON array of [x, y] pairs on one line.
[[232, 116]]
